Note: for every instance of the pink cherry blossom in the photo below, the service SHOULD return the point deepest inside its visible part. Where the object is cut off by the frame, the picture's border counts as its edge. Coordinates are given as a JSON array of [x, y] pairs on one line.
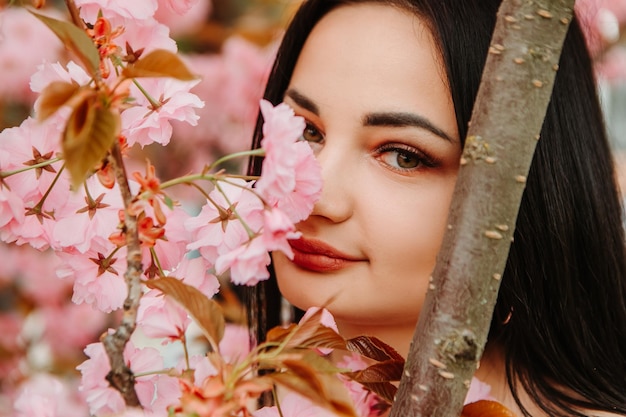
[[11, 211], [102, 399], [194, 272], [171, 250], [601, 21], [178, 6], [231, 87], [32, 142], [327, 318], [365, 402], [291, 177], [277, 229], [215, 233], [478, 391], [98, 279], [298, 204], [235, 344], [143, 125], [247, 263], [183, 16], [90, 223], [70, 327], [45, 395], [161, 317], [148, 34], [202, 366], [20, 31], [135, 10], [294, 405], [49, 72], [155, 391]]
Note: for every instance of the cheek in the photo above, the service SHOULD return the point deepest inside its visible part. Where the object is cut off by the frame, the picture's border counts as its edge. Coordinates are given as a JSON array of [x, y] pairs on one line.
[[409, 228]]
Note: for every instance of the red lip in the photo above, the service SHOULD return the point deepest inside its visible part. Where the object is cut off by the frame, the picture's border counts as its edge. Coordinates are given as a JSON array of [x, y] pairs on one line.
[[315, 255]]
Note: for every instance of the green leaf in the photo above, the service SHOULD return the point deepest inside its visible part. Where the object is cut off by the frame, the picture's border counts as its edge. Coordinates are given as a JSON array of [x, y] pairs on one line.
[[55, 95], [159, 63], [76, 40], [206, 312], [90, 133]]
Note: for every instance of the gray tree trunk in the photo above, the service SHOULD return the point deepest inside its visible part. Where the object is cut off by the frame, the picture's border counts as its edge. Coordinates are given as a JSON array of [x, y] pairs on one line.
[[509, 111]]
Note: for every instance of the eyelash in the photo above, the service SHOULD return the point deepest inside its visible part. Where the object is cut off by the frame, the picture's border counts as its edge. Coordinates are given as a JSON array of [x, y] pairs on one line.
[[423, 160]]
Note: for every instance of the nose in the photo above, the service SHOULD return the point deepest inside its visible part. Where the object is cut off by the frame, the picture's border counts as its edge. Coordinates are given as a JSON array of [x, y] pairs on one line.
[[337, 200]]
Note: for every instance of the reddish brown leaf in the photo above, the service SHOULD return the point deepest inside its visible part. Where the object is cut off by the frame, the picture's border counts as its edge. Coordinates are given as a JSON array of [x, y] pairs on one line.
[[386, 371], [206, 312], [308, 333], [76, 40], [278, 333], [159, 63], [55, 95], [486, 408], [322, 389], [373, 348], [90, 132]]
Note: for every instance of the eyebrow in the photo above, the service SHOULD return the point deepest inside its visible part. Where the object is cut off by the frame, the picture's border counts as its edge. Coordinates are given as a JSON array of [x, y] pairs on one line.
[[404, 119], [303, 101], [388, 119]]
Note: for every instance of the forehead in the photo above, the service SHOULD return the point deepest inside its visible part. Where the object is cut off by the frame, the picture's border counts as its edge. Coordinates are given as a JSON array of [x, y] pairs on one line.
[[374, 54]]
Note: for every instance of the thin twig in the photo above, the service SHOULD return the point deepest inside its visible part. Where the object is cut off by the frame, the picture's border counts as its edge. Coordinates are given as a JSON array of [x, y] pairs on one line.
[[121, 376]]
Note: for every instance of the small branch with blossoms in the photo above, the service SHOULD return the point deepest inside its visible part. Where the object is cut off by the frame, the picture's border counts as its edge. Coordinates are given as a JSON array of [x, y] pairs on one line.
[[128, 245]]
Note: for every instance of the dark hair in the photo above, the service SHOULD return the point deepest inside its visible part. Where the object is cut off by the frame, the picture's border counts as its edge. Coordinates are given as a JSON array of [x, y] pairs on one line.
[[565, 279]]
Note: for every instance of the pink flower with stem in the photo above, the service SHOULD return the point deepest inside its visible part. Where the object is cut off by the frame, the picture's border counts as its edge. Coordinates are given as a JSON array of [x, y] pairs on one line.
[[161, 318], [155, 391], [148, 120], [44, 190], [93, 217], [98, 277], [291, 177], [217, 229], [247, 263]]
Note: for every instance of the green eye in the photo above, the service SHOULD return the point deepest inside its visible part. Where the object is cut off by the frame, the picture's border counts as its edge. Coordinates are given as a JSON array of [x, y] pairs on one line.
[[311, 134]]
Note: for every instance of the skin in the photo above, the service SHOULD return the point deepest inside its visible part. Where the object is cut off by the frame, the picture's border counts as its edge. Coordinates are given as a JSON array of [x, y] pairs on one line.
[[387, 189], [387, 186]]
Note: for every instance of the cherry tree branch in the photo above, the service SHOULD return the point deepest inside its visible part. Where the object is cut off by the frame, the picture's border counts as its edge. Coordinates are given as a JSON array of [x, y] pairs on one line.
[[507, 118], [121, 377]]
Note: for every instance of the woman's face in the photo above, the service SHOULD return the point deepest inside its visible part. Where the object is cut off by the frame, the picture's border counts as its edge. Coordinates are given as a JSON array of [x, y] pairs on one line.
[[380, 118]]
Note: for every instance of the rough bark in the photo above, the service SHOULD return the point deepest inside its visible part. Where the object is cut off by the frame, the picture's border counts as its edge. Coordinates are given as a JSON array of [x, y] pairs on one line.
[[506, 121], [121, 377]]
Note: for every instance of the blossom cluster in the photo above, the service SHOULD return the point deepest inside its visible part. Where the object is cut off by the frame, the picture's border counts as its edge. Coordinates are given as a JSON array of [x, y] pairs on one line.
[[81, 225], [604, 22]]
